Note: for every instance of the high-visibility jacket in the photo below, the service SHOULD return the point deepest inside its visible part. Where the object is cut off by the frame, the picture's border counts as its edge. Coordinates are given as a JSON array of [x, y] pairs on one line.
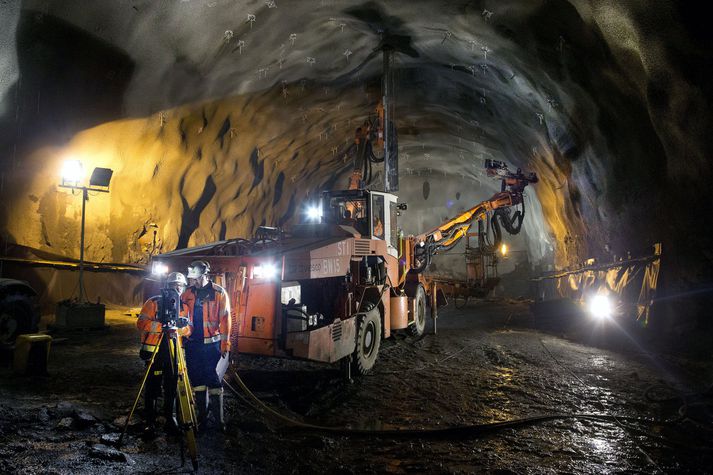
[[216, 314], [150, 327]]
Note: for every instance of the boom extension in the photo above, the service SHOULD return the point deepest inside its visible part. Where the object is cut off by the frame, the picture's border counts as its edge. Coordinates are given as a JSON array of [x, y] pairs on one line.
[[445, 236]]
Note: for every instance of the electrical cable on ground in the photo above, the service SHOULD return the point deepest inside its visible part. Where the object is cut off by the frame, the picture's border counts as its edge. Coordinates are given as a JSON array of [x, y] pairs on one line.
[[432, 363], [621, 425], [708, 393], [703, 399], [459, 307], [473, 430], [626, 427]]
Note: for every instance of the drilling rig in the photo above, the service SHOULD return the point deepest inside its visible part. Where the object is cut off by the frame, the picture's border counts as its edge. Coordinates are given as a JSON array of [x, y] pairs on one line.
[[333, 287]]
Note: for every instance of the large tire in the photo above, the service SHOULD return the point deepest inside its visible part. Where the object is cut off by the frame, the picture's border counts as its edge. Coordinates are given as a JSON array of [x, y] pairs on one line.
[[368, 341], [418, 326], [17, 317]]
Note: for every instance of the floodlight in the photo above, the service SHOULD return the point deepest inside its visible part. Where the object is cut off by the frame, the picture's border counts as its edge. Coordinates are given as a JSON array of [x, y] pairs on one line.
[[101, 177], [72, 172], [600, 306]]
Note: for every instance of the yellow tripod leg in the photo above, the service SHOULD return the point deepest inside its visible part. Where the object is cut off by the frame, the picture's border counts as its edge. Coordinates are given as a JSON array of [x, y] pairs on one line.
[[141, 389], [186, 405]]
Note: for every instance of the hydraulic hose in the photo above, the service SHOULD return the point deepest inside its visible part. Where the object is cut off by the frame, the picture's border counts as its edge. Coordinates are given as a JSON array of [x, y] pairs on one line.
[[445, 248], [492, 225], [509, 222], [393, 149], [474, 430], [424, 255], [372, 157]]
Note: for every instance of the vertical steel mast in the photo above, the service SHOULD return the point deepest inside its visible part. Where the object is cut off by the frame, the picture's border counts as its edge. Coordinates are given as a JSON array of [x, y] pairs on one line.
[[391, 163]]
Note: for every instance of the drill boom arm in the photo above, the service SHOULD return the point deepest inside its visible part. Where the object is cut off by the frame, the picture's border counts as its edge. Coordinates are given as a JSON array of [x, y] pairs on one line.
[[450, 232], [442, 238]]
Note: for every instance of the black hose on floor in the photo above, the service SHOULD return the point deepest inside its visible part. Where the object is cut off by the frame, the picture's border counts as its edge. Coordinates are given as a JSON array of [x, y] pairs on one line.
[[695, 407], [626, 427], [475, 430]]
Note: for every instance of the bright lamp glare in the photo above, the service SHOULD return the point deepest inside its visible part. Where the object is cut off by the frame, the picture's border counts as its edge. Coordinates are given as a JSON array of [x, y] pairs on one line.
[[600, 306], [314, 213], [72, 172], [265, 271], [159, 268], [504, 249]]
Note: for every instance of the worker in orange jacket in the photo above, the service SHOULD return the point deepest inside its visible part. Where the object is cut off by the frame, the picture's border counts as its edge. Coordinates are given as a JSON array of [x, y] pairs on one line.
[[161, 372], [208, 310]]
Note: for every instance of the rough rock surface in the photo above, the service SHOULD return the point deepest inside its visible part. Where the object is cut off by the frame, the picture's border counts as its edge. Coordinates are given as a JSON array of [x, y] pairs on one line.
[[219, 116]]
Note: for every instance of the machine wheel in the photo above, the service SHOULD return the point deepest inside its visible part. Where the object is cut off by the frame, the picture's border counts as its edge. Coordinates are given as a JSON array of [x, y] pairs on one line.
[[367, 306], [17, 317], [418, 327], [368, 341]]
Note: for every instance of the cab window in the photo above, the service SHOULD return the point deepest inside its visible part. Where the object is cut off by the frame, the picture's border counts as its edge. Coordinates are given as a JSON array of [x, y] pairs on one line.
[[394, 234], [377, 216], [350, 212]]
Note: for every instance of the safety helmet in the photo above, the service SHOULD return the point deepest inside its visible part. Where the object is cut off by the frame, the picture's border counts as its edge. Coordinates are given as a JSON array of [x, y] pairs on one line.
[[197, 269], [176, 278]]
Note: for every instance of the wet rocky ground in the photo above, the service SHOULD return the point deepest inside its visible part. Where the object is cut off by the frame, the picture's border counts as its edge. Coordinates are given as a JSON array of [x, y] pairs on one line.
[[489, 362]]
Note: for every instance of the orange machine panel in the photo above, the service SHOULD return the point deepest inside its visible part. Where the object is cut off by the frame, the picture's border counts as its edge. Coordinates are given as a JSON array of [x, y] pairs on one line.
[[257, 325]]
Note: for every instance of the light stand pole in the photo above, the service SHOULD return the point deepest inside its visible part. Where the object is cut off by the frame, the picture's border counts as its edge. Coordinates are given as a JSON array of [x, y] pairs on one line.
[[85, 198], [72, 174]]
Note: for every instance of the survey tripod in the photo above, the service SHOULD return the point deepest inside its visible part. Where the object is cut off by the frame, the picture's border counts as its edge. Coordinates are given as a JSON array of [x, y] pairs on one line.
[[168, 314]]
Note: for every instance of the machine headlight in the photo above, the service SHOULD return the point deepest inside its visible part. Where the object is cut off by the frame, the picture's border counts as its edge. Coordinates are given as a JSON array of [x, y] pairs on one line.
[[314, 213], [265, 271], [159, 268], [600, 306]]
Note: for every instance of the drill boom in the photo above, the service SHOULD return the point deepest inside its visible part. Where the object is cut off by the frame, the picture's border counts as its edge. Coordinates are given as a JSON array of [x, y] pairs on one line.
[[443, 237]]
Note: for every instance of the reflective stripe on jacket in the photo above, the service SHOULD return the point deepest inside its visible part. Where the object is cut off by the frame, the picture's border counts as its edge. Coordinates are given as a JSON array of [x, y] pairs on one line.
[[216, 314], [150, 327]]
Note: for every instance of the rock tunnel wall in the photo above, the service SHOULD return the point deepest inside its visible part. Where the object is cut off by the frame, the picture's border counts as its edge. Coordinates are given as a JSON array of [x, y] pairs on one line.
[[193, 175], [220, 116]]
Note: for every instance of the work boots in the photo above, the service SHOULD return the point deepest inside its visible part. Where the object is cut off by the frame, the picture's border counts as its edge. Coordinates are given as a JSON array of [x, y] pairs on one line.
[[216, 407], [171, 425], [169, 405], [201, 405], [148, 431]]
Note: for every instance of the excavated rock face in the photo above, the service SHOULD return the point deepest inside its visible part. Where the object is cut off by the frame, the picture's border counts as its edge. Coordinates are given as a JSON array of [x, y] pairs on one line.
[[220, 116]]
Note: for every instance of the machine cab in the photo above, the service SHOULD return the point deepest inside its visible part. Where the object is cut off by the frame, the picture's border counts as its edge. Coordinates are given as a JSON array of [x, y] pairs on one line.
[[371, 213]]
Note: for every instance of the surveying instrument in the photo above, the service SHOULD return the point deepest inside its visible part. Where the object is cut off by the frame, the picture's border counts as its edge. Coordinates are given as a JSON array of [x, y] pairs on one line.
[[169, 304]]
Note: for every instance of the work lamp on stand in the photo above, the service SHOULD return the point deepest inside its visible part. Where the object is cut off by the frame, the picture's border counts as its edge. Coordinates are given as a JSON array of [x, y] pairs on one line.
[[82, 313]]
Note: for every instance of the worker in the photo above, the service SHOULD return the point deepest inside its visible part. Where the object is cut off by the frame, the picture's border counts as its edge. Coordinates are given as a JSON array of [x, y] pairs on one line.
[[161, 372], [347, 220], [208, 308], [378, 228]]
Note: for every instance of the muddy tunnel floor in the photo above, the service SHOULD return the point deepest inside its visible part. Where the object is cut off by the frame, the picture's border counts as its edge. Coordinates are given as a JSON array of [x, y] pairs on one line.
[[489, 362]]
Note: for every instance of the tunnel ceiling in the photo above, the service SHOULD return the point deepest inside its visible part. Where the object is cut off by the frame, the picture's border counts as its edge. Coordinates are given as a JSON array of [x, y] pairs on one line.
[[221, 115]]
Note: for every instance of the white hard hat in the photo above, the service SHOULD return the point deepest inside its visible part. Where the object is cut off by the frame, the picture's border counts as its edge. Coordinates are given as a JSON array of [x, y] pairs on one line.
[[197, 269], [176, 278]]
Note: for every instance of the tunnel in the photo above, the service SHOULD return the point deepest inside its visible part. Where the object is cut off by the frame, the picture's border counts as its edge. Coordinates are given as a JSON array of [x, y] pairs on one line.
[[223, 121]]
